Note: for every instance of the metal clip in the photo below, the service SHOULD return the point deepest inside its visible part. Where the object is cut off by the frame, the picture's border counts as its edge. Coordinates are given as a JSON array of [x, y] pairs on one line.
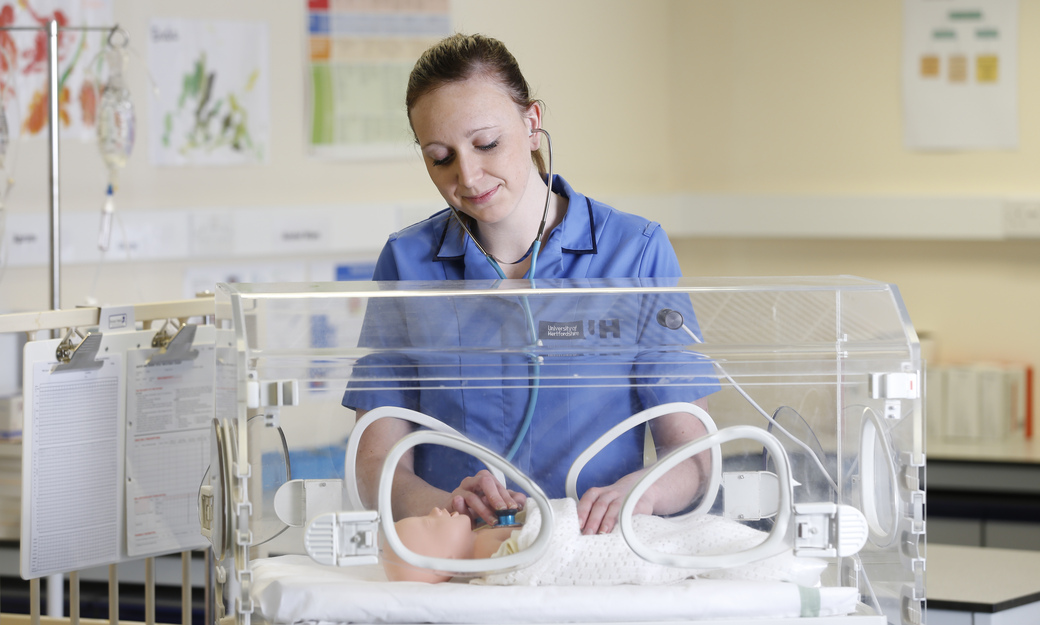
[[174, 349], [163, 337], [78, 357]]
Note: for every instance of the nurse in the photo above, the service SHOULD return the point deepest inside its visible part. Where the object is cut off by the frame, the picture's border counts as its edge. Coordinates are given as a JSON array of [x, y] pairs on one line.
[[477, 128]]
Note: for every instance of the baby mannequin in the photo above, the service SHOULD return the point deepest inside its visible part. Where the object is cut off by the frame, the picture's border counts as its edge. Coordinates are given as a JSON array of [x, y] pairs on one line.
[[575, 559], [440, 534]]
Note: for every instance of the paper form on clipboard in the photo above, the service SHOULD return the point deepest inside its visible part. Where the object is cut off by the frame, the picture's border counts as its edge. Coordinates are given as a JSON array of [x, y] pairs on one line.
[[169, 415], [71, 464]]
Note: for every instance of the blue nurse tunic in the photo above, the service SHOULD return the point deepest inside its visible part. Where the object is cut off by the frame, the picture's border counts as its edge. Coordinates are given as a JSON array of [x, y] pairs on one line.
[[468, 360]]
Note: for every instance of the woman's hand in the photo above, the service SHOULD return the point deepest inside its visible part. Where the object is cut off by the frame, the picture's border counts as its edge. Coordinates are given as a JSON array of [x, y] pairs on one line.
[[480, 495], [599, 508]]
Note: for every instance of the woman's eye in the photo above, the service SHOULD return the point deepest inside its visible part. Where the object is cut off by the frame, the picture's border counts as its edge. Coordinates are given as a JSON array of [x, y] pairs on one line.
[[439, 162]]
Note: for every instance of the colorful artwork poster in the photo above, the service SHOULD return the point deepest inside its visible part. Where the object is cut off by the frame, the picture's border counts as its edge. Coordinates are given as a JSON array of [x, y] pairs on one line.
[[960, 75], [84, 27], [360, 55], [212, 105]]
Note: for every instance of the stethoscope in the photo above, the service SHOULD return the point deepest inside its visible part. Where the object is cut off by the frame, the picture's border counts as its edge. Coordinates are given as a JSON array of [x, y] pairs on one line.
[[536, 245]]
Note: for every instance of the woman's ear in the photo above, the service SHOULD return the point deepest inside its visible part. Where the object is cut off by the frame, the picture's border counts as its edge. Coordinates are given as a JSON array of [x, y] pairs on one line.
[[533, 120]]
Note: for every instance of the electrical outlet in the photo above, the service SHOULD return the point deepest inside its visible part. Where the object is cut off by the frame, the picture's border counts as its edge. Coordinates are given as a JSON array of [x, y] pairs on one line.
[[1022, 219]]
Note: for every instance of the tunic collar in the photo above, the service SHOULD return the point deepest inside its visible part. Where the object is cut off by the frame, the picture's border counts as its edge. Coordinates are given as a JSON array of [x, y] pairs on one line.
[[577, 231]]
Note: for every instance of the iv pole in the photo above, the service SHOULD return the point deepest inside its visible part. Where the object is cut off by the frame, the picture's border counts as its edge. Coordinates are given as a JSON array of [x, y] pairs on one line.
[[53, 142], [55, 590]]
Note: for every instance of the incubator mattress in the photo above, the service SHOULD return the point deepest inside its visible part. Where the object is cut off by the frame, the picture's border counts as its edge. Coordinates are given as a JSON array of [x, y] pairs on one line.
[[293, 589]]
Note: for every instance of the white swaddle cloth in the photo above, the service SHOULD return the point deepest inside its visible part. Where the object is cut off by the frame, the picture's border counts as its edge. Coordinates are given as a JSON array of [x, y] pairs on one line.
[[573, 559]]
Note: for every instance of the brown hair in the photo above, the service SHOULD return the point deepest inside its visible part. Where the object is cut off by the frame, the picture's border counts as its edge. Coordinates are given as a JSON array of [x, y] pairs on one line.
[[459, 57]]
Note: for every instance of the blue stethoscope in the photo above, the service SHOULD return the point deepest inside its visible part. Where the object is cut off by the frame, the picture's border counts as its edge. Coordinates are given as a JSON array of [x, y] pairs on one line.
[[532, 400]]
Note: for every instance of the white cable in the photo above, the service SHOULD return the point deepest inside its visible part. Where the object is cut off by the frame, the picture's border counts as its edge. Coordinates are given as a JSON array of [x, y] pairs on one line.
[[571, 485], [773, 544], [477, 566], [768, 417], [353, 495]]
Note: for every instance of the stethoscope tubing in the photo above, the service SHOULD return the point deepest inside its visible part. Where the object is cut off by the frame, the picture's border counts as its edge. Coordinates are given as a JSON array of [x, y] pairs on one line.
[[536, 246]]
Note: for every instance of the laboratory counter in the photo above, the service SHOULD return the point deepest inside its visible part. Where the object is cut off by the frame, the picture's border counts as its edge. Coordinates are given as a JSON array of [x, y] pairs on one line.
[[984, 493], [971, 585]]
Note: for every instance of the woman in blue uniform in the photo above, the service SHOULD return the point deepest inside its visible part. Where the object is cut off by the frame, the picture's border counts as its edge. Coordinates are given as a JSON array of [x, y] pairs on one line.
[[479, 133]]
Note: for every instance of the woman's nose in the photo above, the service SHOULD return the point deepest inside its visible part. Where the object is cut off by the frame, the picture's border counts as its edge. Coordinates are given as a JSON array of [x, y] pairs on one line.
[[469, 170]]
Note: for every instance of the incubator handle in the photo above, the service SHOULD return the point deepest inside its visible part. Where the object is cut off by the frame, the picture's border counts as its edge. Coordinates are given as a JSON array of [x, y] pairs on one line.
[[638, 419], [350, 486], [774, 543], [498, 564]]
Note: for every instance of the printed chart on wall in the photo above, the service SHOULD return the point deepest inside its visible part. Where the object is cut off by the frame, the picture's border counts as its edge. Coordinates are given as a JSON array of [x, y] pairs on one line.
[[960, 74], [23, 64], [360, 55], [213, 100]]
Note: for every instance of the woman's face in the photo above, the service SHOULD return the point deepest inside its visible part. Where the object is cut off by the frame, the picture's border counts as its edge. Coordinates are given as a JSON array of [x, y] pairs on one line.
[[477, 146]]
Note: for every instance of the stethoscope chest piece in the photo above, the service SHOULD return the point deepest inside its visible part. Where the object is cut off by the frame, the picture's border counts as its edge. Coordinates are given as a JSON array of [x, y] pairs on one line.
[[507, 518]]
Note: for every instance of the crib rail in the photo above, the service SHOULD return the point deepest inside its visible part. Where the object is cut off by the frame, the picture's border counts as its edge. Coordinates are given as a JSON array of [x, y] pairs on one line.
[[34, 324], [35, 616]]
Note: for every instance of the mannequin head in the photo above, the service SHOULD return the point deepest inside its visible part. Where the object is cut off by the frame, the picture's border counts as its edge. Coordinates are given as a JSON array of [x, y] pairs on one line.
[[439, 534]]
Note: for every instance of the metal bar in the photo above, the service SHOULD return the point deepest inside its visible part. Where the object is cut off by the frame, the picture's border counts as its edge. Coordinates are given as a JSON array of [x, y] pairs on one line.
[[55, 179], [74, 598], [113, 594], [34, 601], [61, 28], [87, 317], [53, 133], [185, 588], [209, 608], [149, 591]]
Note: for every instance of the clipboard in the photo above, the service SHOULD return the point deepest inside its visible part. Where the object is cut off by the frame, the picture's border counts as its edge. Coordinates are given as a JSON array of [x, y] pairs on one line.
[[71, 462], [81, 446]]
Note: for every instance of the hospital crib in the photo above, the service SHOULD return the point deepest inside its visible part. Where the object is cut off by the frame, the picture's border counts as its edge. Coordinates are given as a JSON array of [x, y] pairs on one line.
[[155, 580], [813, 398]]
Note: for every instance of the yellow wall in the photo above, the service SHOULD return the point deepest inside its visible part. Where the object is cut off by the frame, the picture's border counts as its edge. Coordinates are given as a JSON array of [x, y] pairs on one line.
[[803, 97], [654, 97]]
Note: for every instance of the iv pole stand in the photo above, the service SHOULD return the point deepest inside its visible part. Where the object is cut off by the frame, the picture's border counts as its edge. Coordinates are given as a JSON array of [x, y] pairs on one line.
[[55, 583], [53, 144]]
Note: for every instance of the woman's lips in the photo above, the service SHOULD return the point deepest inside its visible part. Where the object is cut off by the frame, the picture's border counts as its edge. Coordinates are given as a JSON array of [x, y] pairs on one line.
[[483, 197]]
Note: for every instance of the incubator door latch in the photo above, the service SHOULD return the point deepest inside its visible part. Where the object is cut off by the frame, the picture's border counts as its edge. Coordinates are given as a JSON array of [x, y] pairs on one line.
[[828, 530], [895, 385], [343, 538], [206, 510]]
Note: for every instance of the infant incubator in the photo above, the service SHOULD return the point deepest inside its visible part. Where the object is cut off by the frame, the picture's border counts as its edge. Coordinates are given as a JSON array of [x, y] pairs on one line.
[[812, 453]]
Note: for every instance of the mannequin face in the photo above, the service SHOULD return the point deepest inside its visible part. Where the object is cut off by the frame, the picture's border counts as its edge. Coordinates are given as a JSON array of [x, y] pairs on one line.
[[439, 534]]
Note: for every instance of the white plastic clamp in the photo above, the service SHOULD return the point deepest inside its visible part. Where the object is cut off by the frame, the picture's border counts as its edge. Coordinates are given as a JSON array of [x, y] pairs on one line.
[[343, 538], [828, 530]]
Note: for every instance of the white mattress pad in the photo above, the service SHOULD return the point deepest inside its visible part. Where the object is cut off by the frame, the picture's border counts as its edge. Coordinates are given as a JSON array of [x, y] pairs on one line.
[[294, 589]]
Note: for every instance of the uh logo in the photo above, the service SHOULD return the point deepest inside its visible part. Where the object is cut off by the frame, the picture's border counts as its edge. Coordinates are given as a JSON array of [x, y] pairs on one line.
[[579, 330]]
